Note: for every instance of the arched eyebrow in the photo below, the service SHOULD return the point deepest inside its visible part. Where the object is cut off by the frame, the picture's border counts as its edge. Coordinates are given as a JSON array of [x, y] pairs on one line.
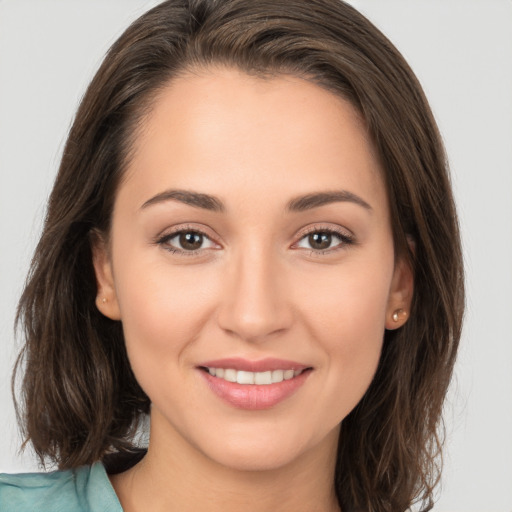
[[317, 199], [196, 199], [297, 204]]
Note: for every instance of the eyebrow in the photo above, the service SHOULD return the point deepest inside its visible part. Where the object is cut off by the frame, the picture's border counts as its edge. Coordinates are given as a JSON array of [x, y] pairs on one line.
[[298, 204], [196, 199], [315, 200]]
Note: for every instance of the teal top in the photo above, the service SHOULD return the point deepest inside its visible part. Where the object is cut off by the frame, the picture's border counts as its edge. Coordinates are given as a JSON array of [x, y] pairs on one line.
[[86, 489]]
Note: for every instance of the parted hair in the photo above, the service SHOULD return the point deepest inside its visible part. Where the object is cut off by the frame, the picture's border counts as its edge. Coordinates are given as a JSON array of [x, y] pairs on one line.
[[79, 401]]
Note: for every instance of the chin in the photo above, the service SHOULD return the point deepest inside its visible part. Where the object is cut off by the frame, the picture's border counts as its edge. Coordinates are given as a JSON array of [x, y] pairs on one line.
[[272, 452], [254, 459]]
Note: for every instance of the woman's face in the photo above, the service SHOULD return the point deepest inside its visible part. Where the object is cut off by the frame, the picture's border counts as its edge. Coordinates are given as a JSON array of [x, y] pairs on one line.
[[251, 241]]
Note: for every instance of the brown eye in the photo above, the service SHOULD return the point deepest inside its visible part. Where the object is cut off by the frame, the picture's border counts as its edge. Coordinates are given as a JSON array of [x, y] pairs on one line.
[[320, 241], [186, 242], [190, 241], [325, 241]]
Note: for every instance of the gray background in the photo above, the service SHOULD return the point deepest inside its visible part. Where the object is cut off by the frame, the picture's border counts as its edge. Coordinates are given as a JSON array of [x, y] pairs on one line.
[[462, 52]]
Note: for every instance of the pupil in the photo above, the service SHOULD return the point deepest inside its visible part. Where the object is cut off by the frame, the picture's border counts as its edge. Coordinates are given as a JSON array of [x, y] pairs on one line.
[[191, 241], [320, 240]]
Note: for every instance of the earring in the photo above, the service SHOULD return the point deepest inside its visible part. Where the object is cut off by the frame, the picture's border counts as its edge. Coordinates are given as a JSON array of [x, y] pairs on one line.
[[397, 313], [104, 300]]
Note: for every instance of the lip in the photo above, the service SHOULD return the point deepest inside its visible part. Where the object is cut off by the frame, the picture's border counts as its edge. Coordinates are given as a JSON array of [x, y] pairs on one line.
[[262, 365], [253, 396]]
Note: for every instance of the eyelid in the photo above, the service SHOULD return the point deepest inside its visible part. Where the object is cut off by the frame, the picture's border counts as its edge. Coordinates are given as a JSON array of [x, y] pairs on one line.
[[345, 235], [167, 234], [325, 227]]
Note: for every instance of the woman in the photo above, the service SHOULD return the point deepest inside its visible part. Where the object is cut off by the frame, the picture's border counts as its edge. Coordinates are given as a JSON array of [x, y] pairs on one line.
[[252, 238]]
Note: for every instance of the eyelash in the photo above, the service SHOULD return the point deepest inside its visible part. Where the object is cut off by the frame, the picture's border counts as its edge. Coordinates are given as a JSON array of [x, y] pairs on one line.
[[345, 240], [165, 239]]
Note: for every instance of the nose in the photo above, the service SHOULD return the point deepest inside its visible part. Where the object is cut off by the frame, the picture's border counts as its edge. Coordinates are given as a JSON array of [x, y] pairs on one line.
[[255, 299]]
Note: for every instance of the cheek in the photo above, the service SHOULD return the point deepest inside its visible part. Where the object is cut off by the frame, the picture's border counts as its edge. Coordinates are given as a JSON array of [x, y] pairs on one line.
[[352, 337], [349, 299], [163, 311], [345, 313], [162, 307]]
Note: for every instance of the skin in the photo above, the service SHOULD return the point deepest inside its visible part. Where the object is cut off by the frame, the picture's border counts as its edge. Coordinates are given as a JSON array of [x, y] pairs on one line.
[[256, 288]]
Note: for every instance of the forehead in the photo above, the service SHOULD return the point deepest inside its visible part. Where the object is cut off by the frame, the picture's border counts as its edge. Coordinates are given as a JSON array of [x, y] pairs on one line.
[[219, 127]]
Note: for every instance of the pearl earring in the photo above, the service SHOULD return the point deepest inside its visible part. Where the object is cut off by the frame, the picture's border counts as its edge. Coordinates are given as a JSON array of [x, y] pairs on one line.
[[397, 313]]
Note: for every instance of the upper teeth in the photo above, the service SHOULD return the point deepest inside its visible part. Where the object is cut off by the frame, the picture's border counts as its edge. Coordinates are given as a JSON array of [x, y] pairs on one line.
[[243, 377]]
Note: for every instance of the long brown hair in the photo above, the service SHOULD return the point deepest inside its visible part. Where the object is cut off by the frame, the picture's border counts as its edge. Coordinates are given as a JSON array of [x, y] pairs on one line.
[[80, 400]]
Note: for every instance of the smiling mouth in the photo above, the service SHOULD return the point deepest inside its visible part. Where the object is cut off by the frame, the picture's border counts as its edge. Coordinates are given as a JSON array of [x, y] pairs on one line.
[[254, 385], [258, 378]]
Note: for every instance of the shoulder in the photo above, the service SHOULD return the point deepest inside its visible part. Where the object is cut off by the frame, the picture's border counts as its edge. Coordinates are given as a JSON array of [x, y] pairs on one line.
[[84, 489]]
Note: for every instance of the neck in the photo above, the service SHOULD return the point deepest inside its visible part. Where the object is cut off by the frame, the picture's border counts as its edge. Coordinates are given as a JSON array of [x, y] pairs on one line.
[[176, 476]]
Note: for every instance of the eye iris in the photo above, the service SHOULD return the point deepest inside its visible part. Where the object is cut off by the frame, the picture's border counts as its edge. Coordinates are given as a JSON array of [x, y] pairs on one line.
[[191, 241], [320, 240]]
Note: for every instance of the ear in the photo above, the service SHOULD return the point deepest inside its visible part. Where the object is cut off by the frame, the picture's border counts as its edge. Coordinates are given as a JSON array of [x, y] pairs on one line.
[[400, 295], [106, 298]]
